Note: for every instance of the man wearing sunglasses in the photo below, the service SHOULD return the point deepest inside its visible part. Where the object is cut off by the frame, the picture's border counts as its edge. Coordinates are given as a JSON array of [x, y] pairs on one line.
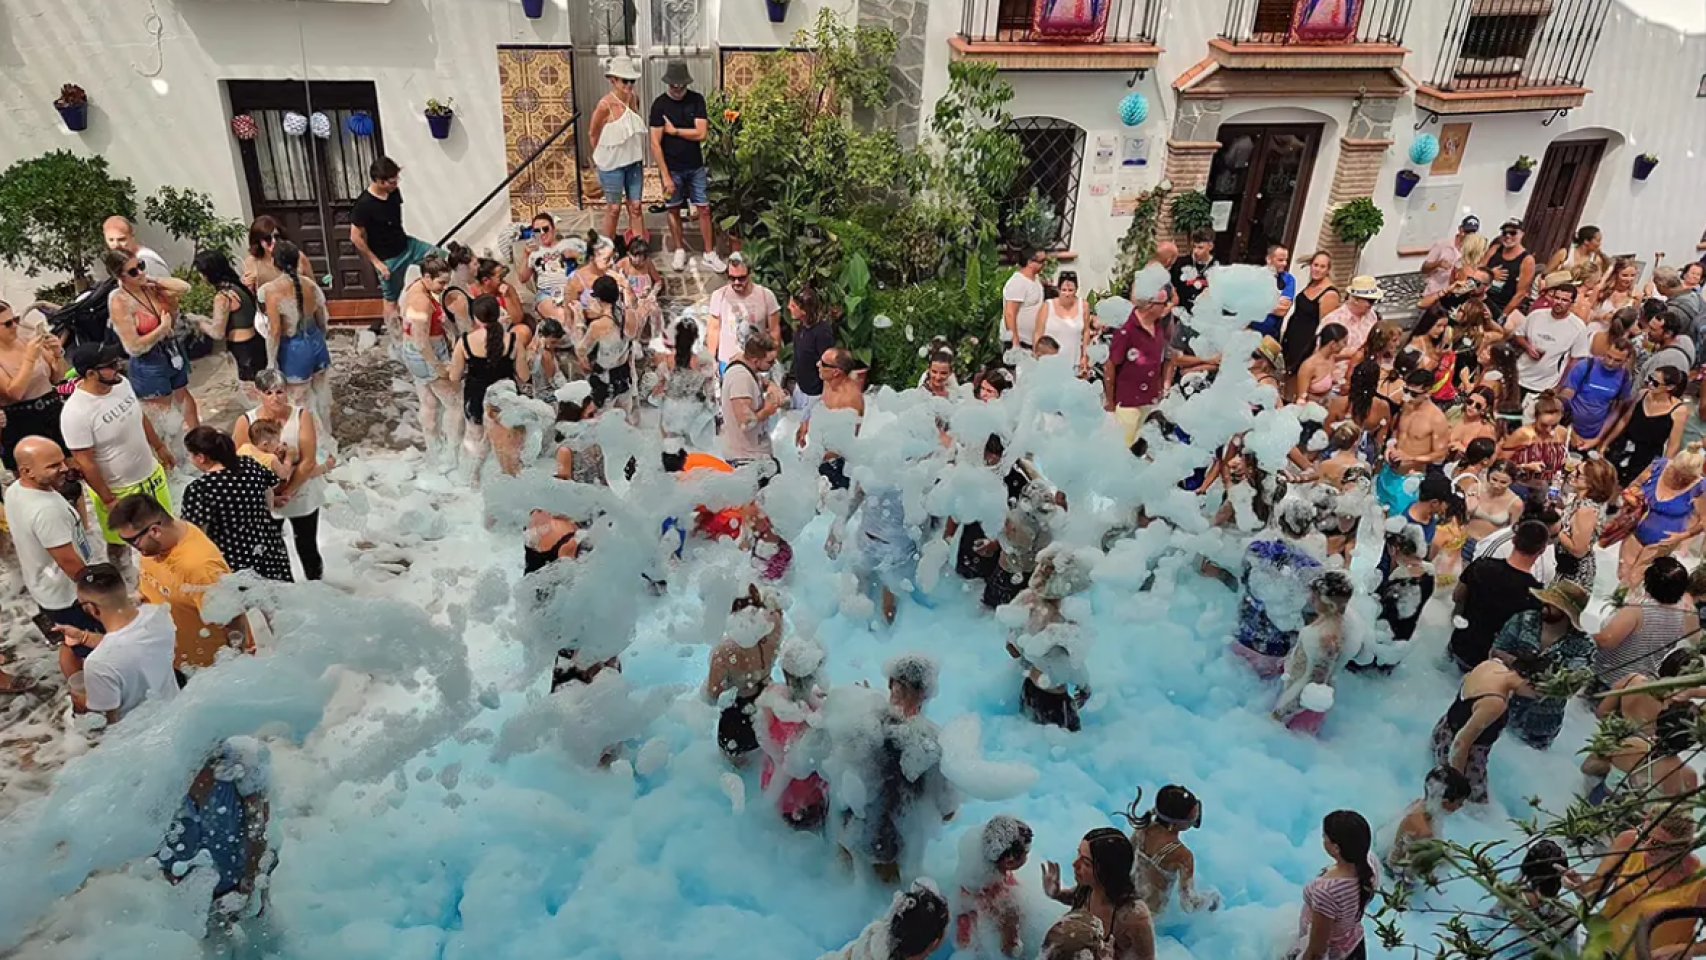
[[1512, 268], [129, 657], [680, 123], [111, 440], [1022, 299], [1422, 439], [739, 309], [179, 563], [842, 390]]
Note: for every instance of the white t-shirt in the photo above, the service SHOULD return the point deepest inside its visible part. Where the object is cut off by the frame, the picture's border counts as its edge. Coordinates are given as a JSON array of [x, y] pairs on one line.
[[112, 427], [1557, 340], [752, 441], [1498, 545], [738, 316], [550, 267], [41, 520], [1028, 294], [153, 263], [133, 663]]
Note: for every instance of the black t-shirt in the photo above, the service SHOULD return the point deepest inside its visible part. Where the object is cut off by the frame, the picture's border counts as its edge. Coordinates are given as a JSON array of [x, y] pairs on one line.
[[810, 344], [1497, 591], [1502, 292], [1190, 279], [685, 113], [382, 221]]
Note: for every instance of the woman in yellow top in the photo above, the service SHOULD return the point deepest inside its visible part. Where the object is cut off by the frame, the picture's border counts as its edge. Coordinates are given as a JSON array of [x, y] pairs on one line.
[[1636, 885]]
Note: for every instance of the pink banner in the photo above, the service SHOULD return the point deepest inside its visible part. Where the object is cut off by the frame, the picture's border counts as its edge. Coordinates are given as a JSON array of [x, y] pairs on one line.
[[1080, 20]]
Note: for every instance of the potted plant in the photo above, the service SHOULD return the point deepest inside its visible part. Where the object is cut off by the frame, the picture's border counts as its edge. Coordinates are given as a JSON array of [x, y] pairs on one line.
[[1356, 222], [438, 116], [534, 9], [1192, 210], [1644, 165], [73, 107], [778, 10], [1517, 174], [1407, 180]]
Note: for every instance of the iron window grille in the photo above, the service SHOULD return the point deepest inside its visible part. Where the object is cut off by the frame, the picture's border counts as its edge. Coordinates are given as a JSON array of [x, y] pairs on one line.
[[1054, 157]]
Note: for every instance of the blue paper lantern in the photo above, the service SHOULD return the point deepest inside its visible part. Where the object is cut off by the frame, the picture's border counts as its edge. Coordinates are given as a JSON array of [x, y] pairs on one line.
[[1134, 109], [1425, 149], [360, 123]]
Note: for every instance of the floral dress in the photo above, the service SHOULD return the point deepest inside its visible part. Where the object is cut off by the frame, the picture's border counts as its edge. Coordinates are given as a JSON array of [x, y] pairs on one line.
[[1579, 570]]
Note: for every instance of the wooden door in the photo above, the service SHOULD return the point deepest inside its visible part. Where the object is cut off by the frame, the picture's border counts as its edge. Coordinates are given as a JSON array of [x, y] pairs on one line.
[[1560, 194], [309, 183], [1263, 172]]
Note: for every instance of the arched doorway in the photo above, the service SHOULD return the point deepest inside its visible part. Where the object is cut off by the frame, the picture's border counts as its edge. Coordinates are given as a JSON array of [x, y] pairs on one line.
[[1258, 184]]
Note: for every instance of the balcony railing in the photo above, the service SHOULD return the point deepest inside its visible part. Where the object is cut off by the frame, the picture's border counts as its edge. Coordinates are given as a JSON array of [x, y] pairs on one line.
[[1312, 23], [1013, 21], [1494, 45]]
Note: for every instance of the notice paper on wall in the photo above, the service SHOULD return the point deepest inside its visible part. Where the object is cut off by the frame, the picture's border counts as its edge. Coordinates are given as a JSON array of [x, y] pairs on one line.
[[1136, 152], [1102, 161], [1100, 188], [1128, 189], [1430, 213], [1221, 213]]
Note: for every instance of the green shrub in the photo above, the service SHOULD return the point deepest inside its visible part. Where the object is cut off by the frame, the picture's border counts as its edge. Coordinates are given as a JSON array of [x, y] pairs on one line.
[[199, 299], [188, 215], [51, 210], [1357, 221], [966, 311], [1192, 211]]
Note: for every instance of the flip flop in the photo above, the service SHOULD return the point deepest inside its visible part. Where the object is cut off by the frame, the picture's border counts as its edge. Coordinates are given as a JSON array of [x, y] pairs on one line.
[[16, 686]]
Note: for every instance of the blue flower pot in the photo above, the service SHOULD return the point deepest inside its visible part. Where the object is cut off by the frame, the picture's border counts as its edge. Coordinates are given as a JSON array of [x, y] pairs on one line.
[[1407, 180], [1516, 178], [534, 9], [1643, 166], [76, 116], [777, 9], [440, 125]]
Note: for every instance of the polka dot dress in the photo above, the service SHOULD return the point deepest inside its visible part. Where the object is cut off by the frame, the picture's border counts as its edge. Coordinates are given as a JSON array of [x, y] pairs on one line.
[[230, 506]]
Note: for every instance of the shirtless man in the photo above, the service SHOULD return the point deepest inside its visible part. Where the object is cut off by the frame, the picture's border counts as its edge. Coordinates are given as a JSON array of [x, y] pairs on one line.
[[1423, 438], [841, 391]]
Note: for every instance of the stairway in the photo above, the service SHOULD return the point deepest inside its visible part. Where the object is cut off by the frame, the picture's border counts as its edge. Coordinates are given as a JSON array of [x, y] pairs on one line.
[[682, 290]]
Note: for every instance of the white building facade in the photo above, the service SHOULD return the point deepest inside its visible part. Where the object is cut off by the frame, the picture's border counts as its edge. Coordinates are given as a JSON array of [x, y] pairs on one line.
[[1278, 109]]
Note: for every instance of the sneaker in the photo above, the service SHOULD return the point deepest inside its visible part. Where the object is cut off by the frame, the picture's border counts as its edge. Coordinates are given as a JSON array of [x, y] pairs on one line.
[[680, 262], [713, 262]]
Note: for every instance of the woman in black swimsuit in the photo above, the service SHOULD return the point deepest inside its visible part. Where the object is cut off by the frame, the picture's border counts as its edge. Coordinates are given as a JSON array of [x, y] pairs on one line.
[[477, 367], [1651, 427], [1463, 739], [234, 309], [1318, 299]]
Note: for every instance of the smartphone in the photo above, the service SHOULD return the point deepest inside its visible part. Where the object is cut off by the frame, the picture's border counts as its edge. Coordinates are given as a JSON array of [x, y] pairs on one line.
[[527, 233], [48, 628]]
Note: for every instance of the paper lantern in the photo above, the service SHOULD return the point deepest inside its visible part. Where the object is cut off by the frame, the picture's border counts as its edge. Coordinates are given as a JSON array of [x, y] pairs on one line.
[[360, 123], [1425, 149], [1134, 109], [295, 124], [243, 127], [321, 125]]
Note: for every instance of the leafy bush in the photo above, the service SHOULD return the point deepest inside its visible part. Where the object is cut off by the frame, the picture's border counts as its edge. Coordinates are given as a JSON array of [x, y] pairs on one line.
[[51, 209], [199, 298], [1357, 221], [965, 310], [188, 215], [1033, 224], [1192, 211], [1138, 244], [1524, 162], [60, 293]]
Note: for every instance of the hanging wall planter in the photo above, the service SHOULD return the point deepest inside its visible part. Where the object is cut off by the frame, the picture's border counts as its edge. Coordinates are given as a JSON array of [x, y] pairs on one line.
[[73, 107], [534, 9], [1517, 174], [777, 9], [1644, 165], [1407, 180], [438, 116]]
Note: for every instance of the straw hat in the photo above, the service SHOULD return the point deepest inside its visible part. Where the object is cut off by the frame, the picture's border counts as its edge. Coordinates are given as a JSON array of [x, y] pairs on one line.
[[622, 68], [1269, 350], [1365, 287], [1558, 279], [1569, 598]]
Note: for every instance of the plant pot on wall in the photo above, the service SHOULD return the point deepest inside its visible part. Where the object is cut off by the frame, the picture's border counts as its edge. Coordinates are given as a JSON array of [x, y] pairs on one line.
[[534, 9], [1517, 177], [1644, 165], [1407, 180], [73, 107], [777, 9], [439, 124]]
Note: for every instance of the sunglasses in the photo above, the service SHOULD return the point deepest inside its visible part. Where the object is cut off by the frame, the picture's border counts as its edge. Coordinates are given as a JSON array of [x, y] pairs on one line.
[[136, 271], [9, 323], [1509, 233], [740, 279], [137, 537]]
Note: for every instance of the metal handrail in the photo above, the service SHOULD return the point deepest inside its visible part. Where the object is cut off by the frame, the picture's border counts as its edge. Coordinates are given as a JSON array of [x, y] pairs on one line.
[[1011, 21], [502, 185], [1268, 21]]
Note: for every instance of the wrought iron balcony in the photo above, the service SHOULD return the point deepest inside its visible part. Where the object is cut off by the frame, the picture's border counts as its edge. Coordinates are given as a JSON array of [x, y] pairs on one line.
[[1316, 22], [1067, 35], [1505, 55]]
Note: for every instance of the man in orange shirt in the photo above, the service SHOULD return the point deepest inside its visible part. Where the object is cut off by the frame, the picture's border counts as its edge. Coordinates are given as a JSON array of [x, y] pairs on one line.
[[179, 563]]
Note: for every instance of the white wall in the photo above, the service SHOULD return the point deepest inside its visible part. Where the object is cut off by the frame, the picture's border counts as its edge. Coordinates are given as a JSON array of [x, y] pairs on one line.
[[743, 23], [174, 128]]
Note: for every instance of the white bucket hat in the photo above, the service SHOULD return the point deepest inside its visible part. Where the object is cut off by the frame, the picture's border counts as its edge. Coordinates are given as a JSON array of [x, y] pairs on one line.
[[622, 68]]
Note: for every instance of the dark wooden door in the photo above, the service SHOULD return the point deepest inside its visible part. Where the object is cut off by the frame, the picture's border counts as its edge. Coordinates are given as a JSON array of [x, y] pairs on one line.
[[308, 183], [1263, 172], [1560, 194]]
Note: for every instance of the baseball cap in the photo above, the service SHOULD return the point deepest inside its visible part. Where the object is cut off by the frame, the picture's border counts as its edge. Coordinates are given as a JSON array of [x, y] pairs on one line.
[[1511, 224], [92, 356], [1470, 224]]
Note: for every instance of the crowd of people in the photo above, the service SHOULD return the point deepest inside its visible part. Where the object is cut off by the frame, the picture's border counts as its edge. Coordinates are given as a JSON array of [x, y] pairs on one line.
[[1530, 417]]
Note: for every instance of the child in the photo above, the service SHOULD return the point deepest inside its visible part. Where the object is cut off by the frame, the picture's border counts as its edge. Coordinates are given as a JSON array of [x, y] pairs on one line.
[[1047, 645], [266, 445], [1162, 859], [1306, 689], [989, 905], [771, 555], [1445, 791], [646, 282]]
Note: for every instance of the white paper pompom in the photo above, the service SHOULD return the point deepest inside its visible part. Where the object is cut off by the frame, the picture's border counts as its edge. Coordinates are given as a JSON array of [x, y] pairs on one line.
[[321, 125], [295, 124]]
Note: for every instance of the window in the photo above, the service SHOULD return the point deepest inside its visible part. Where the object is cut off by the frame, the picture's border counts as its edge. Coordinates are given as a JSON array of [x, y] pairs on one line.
[[597, 23], [1273, 21], [1054, 153], [1495, 44], [1013, 20]]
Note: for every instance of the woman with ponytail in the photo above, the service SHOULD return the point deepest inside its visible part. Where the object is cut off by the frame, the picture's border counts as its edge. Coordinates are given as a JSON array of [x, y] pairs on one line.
[[1334, 902], [296, 335], [686, 389], [1162, 859], [484, 356], [232, 503]]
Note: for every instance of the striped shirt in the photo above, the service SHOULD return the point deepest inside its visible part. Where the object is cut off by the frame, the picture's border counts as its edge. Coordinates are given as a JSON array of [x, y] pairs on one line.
[[1640, 652], [1339, 899]]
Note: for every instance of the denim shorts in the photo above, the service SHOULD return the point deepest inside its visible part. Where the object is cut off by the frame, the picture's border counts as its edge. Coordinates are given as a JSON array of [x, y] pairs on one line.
[[690, 187], [629, 181], [302, 356], [418, 367], [160, 371]]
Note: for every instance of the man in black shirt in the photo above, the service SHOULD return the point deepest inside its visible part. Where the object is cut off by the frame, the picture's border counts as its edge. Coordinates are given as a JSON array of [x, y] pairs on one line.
[[1511, 267], [1190, 279], [1492, 590], [679, 125], [376, 232]]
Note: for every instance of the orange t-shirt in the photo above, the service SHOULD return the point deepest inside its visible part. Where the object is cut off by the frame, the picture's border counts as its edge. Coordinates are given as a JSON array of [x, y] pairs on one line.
[[721, 523], [179, 579]]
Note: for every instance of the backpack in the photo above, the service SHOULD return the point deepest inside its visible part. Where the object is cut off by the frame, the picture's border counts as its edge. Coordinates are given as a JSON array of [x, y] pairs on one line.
[[85, 319]]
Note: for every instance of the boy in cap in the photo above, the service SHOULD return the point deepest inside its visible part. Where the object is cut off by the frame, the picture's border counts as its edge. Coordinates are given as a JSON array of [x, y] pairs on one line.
[[680, 123]]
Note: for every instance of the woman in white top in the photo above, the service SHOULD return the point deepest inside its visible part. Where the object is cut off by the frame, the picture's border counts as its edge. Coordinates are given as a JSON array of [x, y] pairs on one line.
[[619, 135], [300, 498], [1063, 318]]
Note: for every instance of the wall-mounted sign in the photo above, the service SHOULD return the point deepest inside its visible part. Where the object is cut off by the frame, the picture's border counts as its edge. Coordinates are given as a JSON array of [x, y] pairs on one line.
[[1453, 140]]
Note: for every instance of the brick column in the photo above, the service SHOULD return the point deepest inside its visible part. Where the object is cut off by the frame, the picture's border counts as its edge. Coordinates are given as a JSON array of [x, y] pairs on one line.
[[1188, 163], [1356, 175]]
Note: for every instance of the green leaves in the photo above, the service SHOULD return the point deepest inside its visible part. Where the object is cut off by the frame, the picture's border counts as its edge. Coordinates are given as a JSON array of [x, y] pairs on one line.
[[1192, 211], [1357, 221], [51, 209], [189, 215]]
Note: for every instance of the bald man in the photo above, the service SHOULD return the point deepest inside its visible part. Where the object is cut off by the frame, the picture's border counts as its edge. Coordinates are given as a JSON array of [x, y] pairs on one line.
[[120, 234], [50, 535]]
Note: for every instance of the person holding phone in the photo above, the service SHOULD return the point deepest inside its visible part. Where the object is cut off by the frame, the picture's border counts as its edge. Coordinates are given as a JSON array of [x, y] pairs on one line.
[[31, 362], [53, 545]]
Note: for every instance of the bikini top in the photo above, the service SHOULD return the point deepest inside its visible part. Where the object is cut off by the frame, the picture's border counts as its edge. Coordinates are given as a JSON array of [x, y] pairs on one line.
[[1496, 519]]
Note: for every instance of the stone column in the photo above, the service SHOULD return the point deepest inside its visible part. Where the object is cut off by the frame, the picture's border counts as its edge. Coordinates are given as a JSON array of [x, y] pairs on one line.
[[908, 19], [1190, 151], [1362, 150]]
